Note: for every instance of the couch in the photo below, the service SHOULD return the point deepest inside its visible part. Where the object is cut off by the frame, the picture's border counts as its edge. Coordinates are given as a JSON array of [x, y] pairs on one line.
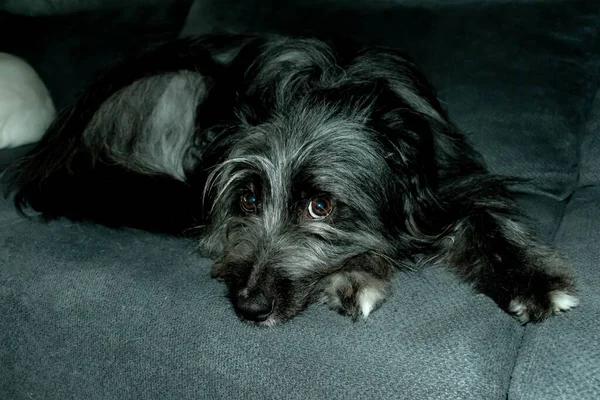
[[89, 312]]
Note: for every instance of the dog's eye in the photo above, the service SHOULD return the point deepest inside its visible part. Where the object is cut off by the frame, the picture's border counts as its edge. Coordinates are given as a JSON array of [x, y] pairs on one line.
[[248, 202], [319, 208]]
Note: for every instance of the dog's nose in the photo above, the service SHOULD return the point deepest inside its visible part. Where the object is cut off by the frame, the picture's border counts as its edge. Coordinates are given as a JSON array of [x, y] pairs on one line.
[[254, 307]]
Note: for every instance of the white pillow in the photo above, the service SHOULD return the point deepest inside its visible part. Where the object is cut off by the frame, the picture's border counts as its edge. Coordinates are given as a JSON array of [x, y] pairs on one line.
[[26, 108]]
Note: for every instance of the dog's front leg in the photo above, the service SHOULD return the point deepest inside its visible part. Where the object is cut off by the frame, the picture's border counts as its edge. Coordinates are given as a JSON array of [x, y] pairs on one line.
[[359, 287], [491, 246]]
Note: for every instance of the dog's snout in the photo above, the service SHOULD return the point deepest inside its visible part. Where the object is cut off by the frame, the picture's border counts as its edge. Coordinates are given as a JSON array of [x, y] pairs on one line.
[[255, 306]]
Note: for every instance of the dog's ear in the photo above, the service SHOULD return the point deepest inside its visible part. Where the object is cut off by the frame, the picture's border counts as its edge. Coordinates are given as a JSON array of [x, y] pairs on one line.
[[421, 144], [407, 140], [423, 151]]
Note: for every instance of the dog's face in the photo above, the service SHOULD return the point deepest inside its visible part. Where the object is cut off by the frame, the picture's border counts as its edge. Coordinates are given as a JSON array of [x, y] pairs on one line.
[[298, 198], [317, 181]]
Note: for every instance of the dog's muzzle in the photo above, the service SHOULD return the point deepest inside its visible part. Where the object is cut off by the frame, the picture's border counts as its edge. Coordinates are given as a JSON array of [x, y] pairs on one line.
[[256, 306]]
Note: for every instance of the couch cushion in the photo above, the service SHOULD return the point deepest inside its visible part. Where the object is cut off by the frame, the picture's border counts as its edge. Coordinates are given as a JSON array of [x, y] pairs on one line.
[[90, 312], [516, 76], [61, 7], [8, 156], [590, 147], [560, 359]]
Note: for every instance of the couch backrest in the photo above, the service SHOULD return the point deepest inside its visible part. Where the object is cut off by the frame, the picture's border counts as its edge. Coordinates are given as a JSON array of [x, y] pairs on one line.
[[590, 148], [518, 77]]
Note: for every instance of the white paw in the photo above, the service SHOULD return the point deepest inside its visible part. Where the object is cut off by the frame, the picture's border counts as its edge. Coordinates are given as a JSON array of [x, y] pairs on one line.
[[355, 294], [528, 309], [519, 309], [369, 298], [562, 301]]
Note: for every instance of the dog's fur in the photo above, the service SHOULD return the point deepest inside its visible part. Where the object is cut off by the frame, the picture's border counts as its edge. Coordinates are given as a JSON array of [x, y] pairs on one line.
[[244, 140]]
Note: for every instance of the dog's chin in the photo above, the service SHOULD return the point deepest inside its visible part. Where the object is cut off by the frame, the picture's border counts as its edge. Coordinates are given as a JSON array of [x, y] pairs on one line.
[[279, 316], [268, 323]]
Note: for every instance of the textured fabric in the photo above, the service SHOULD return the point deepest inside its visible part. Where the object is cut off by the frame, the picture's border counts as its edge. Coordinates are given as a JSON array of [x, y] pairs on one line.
[[88, 312], [68, 51], [516, 76], [545, 214], [57, 7], [7, 156], [561, 358], [590, 148]]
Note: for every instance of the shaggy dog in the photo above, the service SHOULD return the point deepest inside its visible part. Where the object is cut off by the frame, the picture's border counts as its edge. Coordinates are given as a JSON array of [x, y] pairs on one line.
[[308, 172]]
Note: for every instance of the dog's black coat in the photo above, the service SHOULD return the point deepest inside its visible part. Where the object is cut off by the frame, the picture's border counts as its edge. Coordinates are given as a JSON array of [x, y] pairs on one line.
[[236, 140]]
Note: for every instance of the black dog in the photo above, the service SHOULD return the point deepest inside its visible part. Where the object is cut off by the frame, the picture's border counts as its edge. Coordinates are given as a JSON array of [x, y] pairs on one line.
[[308, 172]]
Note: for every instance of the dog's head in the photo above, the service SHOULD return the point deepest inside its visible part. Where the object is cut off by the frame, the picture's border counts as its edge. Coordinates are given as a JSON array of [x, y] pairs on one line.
[[310, 187]]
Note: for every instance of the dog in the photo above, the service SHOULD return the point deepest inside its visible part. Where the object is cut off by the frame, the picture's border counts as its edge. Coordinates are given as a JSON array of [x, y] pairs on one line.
[[308, 172]]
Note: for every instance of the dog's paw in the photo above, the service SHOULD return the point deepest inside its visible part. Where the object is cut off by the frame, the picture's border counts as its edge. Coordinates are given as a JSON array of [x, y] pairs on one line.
[[541, 295], [355, 294], [536, 308]]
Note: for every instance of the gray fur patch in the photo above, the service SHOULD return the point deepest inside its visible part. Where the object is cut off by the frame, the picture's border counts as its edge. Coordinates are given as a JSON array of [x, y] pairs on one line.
[[155, 125]]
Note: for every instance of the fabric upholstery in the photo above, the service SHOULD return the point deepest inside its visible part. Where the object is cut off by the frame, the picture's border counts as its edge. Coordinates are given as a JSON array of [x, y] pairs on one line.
[[590, 147], [89, 312], [561, 358], [7, 156], [63, 7], [68, 50]]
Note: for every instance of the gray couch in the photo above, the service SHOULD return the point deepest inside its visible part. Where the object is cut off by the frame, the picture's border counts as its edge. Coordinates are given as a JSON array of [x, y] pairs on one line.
[[88, 312]]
